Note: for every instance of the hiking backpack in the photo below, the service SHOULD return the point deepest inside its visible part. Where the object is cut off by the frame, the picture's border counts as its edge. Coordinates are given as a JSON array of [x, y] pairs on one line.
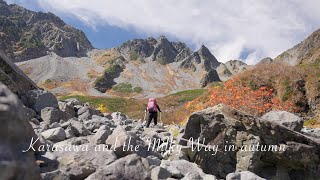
[[152, 105]]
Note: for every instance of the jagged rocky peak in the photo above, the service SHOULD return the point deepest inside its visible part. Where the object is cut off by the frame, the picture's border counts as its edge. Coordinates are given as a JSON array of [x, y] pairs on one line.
[[164, 51], [202, 57], [210, 62], [27, 35], [160, 50]]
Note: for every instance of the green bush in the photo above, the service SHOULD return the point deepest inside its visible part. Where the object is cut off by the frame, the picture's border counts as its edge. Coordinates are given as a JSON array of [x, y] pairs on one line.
[[134, 55], [123, 88], [99, 80], [112, 69], [288, 90], [137, 89]]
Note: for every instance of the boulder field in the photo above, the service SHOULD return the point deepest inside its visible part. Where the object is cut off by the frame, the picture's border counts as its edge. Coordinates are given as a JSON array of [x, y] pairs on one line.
[[71, 140]]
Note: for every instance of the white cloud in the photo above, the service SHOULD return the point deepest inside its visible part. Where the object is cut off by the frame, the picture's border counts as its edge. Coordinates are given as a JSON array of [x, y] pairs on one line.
[[227, 27]]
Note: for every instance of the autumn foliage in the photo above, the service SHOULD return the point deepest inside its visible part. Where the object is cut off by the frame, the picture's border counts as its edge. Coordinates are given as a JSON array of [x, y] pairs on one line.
[[236, 94]]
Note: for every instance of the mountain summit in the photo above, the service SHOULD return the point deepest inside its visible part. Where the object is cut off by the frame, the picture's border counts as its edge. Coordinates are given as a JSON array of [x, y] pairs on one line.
[[308, 51], [27, 35]]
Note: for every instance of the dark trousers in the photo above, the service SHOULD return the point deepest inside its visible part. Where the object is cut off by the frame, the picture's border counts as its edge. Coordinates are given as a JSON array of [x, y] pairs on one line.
[[154, 116]]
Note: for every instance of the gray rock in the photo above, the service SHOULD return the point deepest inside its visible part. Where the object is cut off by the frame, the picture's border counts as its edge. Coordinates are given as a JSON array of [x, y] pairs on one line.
[[86, 112], [160, 173], [56, 134], [35, 121], [57, 174], [30, 113], [73, 101], [11, 75], [180, 168], [78, 128], [96, 122], [153, 161], [221, 125], [80, 164], [49, 162], [243, 175], [129, 167], [101, 135], [284, 118], [54, 125], [69, 133], [50, 115], [39, 99], [176, 155], [119, 138], [73, 141], [313, 132], [119, 118], [198, 176], [15, 136], [68, 109]]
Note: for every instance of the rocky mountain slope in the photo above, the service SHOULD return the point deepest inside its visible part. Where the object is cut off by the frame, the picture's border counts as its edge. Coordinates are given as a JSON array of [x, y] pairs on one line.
[[27, 35], [140, 67], [158, 65], [60, 58], [306, 52]]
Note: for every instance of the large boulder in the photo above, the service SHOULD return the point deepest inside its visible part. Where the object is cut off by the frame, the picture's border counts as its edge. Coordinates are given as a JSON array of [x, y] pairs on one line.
[[284, 118], [15, 137], [86, 113], [184, 169], [39, 99], [79, 164], [67, 108], [78, 127], [51, 115], [129, 167], [281, 153], [119, 138], [101, 135], [55, 135], [13, 77]]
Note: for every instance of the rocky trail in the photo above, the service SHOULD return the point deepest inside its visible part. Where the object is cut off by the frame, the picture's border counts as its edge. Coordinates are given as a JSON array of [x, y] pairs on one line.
[[71, 140]]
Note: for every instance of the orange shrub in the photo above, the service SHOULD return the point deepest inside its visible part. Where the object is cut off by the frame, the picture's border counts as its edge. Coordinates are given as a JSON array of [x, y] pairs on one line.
[[237, 95]]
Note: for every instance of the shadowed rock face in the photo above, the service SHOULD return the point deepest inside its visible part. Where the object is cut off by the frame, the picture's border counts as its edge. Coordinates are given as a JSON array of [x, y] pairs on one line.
[[13, 77], [222, 125], [26, 34], [15, 136]]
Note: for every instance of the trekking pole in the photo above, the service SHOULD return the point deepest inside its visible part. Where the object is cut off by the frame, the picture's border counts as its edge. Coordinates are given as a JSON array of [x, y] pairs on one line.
[[145, 114], [160, 117]]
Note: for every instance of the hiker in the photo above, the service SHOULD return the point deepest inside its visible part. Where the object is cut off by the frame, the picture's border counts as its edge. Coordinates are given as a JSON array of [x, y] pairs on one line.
[[153, 111]]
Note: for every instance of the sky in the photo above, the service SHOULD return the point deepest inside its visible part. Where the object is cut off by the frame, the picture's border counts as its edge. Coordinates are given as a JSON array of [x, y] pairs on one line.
[[247, 30]]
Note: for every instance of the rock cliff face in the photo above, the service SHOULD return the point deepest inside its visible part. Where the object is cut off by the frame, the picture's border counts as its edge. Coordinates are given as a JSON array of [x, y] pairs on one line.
[[13, 77], [306, 52], [27, 35]]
